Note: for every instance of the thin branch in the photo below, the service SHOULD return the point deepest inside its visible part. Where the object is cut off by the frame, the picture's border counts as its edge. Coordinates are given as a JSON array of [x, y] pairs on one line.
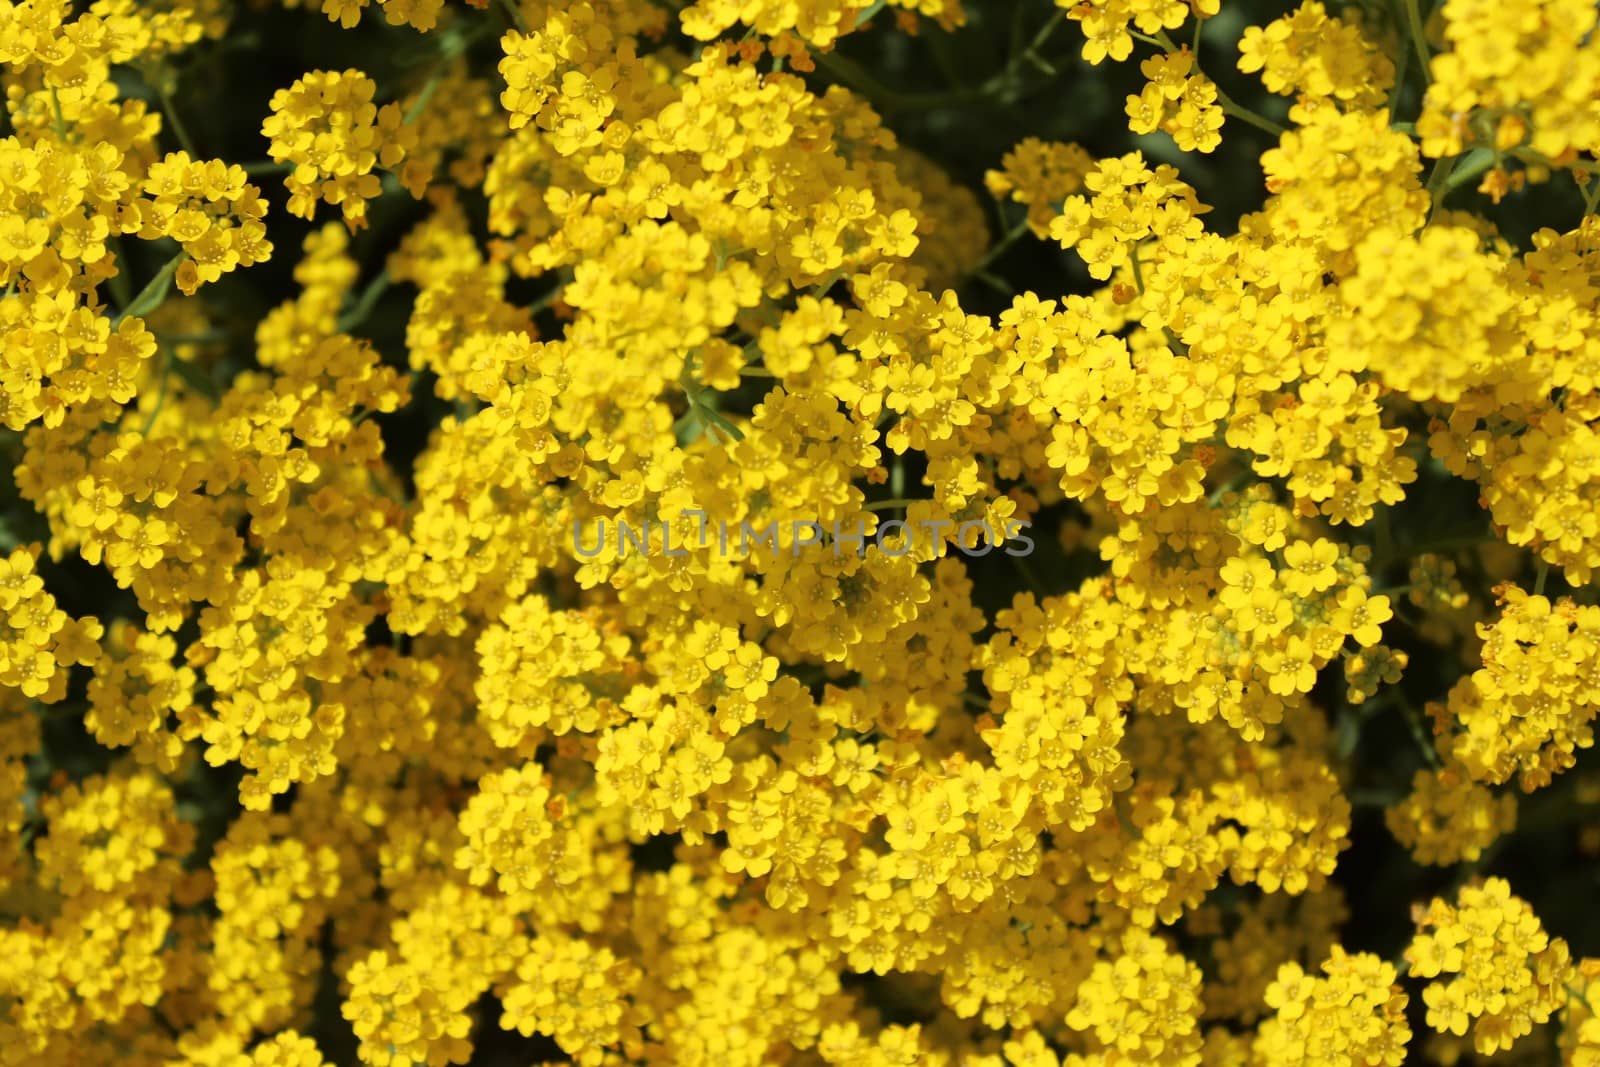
[[1417, 35], [367, 301], [178, 128], [151, 296]]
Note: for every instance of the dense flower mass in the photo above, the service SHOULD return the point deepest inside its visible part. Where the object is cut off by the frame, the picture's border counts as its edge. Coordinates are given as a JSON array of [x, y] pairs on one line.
[[1076, 606]]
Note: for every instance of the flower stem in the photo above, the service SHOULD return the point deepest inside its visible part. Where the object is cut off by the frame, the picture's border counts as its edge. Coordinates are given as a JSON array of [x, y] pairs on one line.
[[364, 305], [1232, 107], [1417, 35], [1229, 105], [1000, 248], [178, 128], [151, 296], [516, 14]]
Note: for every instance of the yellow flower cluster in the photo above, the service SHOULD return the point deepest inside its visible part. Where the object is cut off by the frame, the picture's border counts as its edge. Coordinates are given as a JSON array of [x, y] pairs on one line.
[[1526, 711], [1178, 103], [207, 207], [1315, 56], [1446, 820], [1515, 78], [1105, 22], [1355, 1013], [817, 23], [328, 128], [1041, 175], [1494, 969], [1580, 1030], [599, 601], [39, 642], [418, 14]]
